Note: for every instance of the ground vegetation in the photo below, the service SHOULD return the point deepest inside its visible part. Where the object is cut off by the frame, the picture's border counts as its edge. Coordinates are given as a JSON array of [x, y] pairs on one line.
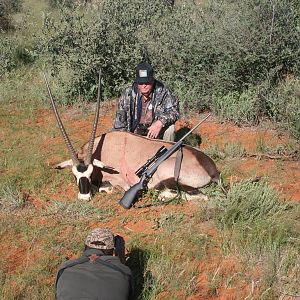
[[238, 59]]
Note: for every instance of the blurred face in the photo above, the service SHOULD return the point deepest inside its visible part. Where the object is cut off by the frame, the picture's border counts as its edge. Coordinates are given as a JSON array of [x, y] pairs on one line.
[[145, 88]]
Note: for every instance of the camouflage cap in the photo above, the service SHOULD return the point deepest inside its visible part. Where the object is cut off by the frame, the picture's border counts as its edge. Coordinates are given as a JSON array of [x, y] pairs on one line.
[[100, 238]]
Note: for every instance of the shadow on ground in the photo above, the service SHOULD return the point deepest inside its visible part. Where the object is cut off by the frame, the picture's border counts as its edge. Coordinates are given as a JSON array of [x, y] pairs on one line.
[[142, 279], [192, 139]]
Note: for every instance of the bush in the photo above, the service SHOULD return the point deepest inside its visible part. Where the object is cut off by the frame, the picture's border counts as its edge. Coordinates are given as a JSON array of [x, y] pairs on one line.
[[222, 47], [15, 5], [227, 48], [283, 104], [7, 8], [14, 53], [238, 107], [61, 3], [5, 17], [82, 41], [7, 61]]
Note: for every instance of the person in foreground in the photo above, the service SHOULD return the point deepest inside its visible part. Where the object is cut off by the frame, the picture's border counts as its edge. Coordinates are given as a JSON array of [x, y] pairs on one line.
[[147, 107], [97, 274]]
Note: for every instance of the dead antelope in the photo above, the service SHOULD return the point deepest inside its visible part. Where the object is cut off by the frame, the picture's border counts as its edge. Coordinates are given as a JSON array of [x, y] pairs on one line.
[[126, 152]]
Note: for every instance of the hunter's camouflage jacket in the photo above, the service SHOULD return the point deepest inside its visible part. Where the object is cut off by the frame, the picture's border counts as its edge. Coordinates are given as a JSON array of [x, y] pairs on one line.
[[164, 107]]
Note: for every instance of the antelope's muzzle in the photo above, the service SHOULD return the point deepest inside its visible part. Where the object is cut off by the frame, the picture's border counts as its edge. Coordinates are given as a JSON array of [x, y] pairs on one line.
[[84, 185]]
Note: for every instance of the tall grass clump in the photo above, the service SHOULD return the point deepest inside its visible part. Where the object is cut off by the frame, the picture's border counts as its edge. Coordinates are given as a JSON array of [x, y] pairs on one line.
[[254, 209], [11, 197], [257, 226]]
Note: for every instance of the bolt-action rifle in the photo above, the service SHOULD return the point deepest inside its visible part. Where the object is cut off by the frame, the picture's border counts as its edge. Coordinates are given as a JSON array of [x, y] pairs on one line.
[[146, 171]]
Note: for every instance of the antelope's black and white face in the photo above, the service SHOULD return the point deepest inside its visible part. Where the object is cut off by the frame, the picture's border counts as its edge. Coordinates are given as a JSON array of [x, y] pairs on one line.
[[83, 175]]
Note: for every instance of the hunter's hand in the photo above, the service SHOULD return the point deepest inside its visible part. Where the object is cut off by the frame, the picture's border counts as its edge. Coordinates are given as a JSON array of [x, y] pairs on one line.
[[154, 129]]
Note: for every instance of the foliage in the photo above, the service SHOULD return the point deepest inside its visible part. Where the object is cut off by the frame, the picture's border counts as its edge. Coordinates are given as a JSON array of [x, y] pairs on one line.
[[257, 221], [180, 246], [68, 3], [14, 53], [248, 202], [263, 230], [284, 105], [223, 47], [241, 108], [214, 55], [14, 5], [61, 3], [7, 61], [82, 41], [7, 8]]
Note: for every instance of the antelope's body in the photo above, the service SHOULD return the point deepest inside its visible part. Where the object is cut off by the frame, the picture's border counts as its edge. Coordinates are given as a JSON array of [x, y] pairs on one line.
[[127, 152]]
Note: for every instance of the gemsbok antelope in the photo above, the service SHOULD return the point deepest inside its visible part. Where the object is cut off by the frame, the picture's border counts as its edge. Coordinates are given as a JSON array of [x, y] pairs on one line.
[[114, 157]]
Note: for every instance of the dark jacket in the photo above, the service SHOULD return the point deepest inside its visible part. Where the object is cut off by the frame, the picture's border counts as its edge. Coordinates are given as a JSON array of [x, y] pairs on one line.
[[164, 107], [94, 276]]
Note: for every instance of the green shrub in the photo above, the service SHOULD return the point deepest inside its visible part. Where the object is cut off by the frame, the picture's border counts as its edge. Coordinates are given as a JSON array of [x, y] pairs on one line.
[[83, 40], [7, 8], [61, 3], [7, 61], [5, 16], [237, 107], [214, 55], [15, 53], [25, 54], [284, 105], [255, 218], [197, 49], [14, 5]]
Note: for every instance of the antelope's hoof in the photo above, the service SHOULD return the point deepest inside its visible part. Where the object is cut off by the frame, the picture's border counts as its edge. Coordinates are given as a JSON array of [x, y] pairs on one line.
[[106, 187], [196, 197], [167, 194]]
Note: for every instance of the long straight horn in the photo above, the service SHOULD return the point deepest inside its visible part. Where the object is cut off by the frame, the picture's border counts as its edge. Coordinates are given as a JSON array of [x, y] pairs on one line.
[[61, 127], [92, 137]]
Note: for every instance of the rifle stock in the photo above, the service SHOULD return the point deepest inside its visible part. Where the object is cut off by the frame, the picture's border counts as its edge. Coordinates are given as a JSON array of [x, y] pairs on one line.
[[131, 195]]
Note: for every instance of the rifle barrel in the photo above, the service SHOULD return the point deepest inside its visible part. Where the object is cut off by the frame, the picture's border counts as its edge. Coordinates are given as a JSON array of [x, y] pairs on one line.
[[195, 127]]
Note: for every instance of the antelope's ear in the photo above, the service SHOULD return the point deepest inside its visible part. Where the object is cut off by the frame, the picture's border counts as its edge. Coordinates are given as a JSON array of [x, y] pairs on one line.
[[98, 163], [101, 165], [64, 164]]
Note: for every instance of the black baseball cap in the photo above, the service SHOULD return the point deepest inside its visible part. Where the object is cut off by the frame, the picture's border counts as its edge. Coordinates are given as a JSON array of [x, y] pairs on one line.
[[144, 73]]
